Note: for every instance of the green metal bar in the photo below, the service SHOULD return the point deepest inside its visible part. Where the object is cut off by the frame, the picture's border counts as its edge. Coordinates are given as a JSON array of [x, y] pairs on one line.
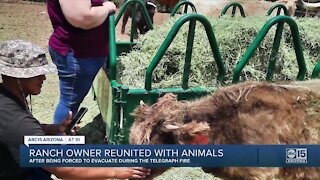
[[262, 33], [122, 9], [133, 21], [234, 8], [117, 105], [187, 63], [316, 70], [278, 7], [181, 3], [124, 125], [185, 11], [112, 48], [172, 90], [278, 12], [114, 128], [274, 52], [234, 5], [114, 83], [124, 47], [168, 40]]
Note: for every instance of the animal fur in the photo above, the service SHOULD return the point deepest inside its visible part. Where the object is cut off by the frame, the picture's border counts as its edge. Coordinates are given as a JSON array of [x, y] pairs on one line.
[[245, 113]]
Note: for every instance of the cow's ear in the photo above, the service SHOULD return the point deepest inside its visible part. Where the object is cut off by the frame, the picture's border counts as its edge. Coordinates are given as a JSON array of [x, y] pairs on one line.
[[142, 104], [140, 112], [151, 4]]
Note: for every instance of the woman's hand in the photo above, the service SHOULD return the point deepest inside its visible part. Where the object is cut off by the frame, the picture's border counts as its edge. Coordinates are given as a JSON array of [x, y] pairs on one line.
[[111, 6]]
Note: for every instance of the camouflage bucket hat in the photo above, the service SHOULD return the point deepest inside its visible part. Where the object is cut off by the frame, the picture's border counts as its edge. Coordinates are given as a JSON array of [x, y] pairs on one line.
[[23, 59]]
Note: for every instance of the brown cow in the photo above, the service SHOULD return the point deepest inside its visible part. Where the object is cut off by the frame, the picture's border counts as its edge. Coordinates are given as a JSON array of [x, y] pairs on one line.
[[140, 20], [245, 113], [169, 3]]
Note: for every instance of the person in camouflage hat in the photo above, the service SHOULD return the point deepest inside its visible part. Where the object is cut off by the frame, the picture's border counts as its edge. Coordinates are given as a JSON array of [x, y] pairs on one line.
[[23, 59], [23, 66]]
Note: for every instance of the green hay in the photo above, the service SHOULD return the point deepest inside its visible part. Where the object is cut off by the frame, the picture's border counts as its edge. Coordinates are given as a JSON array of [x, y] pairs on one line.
[[233, 35]]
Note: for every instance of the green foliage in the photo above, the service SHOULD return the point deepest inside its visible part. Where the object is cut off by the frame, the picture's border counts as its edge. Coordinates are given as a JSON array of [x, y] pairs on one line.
[[233, 35]]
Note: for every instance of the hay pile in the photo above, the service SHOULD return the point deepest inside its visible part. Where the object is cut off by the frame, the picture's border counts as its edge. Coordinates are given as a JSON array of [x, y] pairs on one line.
[[233, 35]]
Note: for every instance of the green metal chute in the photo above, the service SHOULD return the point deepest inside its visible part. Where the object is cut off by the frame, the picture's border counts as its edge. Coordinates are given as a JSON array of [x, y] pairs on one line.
[[186, 4], [192, 18], [279, 7], [234, 6], [278, 20]]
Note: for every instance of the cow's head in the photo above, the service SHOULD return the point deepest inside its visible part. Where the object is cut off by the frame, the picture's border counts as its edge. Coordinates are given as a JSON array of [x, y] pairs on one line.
[[151, 9], [160, 124]]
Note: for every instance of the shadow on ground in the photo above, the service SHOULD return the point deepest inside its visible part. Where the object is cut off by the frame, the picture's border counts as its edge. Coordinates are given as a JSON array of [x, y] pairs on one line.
[[95, 131]]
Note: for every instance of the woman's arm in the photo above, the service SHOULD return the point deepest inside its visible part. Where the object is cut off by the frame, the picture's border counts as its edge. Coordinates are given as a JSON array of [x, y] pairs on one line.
[[81, 14]]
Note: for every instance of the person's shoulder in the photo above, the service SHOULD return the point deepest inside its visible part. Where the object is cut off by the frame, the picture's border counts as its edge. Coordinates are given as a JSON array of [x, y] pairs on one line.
[[13, 117], [26, 120], [9, 107], [9, 111], [8, 101], [21, 125]]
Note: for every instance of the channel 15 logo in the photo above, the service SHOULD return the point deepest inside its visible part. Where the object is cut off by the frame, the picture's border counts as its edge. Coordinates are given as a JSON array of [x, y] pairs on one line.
[[296, 155]]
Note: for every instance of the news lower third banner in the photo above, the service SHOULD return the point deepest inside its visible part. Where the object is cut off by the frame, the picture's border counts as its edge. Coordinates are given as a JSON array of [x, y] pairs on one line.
[[70, 151]]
